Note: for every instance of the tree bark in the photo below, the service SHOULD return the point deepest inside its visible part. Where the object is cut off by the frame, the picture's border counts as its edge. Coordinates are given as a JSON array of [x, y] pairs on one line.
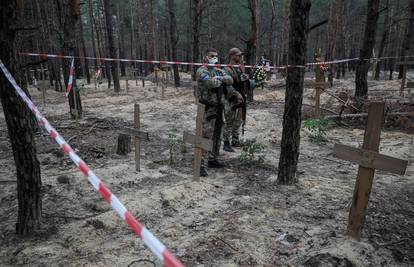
[[286, 25], [251, 43], [111, 45], [121, 42], [384, 39], [173, 38], [361, 85], [92, 25], [83, 47], [72, 14], [124, 144], [408, 41], [289, 154], [20, 132], [198, 15]]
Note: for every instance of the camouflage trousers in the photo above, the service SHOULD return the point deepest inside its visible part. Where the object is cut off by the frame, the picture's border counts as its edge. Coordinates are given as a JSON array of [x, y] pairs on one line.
[[210, 132], [233, 123]]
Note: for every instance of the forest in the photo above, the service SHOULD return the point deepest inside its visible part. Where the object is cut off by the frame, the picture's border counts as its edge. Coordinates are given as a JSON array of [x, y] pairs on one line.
[[206, 133]]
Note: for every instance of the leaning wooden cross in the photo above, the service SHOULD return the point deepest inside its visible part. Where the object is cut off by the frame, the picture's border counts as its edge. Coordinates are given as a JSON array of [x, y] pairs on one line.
[[368, 159], [138, 136], [199, 142]]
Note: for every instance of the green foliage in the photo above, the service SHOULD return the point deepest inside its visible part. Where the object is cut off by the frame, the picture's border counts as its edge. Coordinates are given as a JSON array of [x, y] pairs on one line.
[[176, 142], [316, 129], [249, 150]]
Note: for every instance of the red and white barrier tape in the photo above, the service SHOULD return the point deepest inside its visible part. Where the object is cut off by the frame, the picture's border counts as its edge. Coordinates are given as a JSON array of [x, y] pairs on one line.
[[45, 56], [147, 237], [71, 74]]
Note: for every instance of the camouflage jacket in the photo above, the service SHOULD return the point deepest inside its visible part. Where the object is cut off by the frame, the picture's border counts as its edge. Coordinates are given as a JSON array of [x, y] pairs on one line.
[[236, 73], [207, 87]]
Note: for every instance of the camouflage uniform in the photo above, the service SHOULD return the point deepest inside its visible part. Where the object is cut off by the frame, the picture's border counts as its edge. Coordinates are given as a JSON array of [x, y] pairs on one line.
[[233, 114], [207, 95]]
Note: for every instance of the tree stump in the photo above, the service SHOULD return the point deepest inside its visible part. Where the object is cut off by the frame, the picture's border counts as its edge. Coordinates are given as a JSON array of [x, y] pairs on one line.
[[124, 144]]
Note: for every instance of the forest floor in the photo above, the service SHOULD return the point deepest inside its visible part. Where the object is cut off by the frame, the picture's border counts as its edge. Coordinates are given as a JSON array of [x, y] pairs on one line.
[[237, 216]]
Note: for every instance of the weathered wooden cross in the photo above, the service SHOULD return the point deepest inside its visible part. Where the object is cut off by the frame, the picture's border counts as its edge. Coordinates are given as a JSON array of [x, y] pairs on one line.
[[368, 159], [138, 136], [199, 142]]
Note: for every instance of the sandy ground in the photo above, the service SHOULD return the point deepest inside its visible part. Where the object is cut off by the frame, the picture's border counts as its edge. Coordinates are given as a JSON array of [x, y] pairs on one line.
[[238, 216]]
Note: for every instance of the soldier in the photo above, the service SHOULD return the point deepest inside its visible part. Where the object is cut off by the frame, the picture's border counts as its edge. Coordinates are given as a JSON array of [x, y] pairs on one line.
[[236, 107], [213, 85]]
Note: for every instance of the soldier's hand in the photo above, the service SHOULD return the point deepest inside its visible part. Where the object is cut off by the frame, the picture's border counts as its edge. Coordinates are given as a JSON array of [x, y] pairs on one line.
[[217, 80], [239, 98], [244, 77]]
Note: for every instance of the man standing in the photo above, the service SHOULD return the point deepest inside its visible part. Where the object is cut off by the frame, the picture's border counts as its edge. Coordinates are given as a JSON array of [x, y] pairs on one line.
[[236, 107], [213, 85]]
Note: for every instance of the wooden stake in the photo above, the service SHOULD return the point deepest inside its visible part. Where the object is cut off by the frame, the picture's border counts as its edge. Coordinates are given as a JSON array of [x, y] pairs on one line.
[[44, 96], [319, 86], [317, 102], [126, 81], [156, 75], [137, 140]]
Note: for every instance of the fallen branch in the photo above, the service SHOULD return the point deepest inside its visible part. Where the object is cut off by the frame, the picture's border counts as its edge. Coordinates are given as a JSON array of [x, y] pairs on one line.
[[45, 215], [233, 248], [337, 98], [366, 114], [392, 243]]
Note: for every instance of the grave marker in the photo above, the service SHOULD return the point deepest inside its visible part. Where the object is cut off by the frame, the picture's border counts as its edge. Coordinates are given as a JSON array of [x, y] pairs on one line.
[[368, 159], [199, 142]]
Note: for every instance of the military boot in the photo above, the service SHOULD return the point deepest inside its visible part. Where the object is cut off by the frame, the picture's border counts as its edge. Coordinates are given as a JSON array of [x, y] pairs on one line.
[[203, 172], [227, 147], [213, 163]]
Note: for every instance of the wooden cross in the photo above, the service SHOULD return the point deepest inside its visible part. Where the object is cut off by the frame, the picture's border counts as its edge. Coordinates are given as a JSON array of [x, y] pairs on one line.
[[138, 136], [319, 87], [368, 159], [199, 142]]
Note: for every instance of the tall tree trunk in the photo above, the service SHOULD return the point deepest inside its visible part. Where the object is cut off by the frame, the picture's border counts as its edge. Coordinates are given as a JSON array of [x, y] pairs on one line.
[[408, 41], [286, 25], [72, 14], [121, 42], [152, 50], [289, 153], [272, 34], [92, 25], [20, 132], [198, 15], [85, 61], [111, 44], [361, 86], [384, 39], [251, 43], [173, 38]]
